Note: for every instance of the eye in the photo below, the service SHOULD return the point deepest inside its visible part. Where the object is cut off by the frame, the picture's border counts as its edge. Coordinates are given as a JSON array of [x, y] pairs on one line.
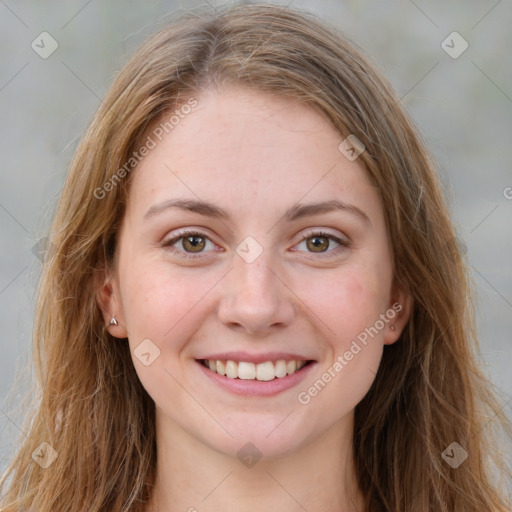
[[192, 244], [320, 241], [189, 243]]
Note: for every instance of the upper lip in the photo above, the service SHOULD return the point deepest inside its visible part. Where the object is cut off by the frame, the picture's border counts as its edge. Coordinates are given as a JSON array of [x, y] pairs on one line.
[[255, 358]]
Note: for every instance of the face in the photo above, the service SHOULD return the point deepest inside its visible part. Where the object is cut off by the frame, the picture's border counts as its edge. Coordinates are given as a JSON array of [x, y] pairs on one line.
[[251, 240]]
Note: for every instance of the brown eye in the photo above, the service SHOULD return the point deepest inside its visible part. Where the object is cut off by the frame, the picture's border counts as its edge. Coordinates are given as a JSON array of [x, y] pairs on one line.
[[322, 243], [317, 243], [190, 244], [193, 243]]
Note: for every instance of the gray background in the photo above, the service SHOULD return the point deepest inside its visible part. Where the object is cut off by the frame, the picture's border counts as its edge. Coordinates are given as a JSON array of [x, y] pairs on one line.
[[462, 106]]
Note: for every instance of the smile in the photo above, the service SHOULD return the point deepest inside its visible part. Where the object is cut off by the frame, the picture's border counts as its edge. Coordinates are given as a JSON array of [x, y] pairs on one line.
[[266, 371]]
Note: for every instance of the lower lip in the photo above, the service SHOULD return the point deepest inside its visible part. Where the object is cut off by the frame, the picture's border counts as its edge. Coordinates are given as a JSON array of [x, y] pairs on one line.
[[247, 387]]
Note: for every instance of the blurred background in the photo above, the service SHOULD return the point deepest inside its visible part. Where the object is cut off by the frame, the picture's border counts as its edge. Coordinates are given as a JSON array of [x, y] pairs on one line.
[[59, 58]]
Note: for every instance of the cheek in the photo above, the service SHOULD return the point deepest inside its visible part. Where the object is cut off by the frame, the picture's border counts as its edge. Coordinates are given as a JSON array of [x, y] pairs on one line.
[[347, 303], [162, 306], [353, 346], [165, 310]]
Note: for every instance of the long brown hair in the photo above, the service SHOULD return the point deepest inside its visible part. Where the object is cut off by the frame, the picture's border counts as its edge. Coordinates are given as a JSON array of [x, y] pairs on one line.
[[91, 407]]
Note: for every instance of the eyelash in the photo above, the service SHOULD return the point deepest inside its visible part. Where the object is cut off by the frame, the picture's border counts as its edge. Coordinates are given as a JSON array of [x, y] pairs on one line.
[[312, 234]]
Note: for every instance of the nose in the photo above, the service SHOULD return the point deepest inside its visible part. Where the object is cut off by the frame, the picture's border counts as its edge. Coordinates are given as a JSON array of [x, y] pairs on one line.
[[255, 298]]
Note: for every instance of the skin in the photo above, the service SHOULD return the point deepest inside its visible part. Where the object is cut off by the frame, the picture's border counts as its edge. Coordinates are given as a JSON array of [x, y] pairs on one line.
[[254, 155]]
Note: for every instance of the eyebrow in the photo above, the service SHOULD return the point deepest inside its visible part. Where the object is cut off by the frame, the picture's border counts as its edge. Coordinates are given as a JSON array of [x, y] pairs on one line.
[[296, 212]]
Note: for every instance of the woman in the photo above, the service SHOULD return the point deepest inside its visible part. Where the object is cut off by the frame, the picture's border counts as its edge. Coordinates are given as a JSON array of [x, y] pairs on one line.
[[257, 300]]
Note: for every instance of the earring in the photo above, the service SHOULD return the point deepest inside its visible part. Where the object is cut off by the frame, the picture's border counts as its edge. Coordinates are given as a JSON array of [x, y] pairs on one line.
[[113, 321], [392, 327]]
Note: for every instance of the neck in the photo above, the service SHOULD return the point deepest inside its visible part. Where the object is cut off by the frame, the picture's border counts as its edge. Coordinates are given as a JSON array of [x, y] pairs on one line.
[[193, 477]]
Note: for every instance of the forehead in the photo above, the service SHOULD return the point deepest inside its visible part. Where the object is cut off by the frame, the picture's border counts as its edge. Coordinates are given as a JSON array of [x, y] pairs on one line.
[[250, 150]]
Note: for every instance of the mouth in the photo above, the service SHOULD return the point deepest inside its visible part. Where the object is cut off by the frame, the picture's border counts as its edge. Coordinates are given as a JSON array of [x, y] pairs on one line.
[[265, 371]]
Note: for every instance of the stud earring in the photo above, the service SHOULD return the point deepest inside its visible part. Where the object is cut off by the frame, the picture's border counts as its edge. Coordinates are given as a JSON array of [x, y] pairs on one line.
[[392, 327], [113, 321]]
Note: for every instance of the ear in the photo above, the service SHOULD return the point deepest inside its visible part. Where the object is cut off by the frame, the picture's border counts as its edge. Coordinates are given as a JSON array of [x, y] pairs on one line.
[[398, 312], [108, 298]]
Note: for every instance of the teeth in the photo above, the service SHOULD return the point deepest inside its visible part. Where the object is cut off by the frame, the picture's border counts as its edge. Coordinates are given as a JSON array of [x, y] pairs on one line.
[[246, 370], [221, 368], [280, 369], [291, 366], [266, 371], [231, 369]]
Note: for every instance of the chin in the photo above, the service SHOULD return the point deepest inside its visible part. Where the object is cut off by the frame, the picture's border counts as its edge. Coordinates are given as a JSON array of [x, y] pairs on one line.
[[269, 439]]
